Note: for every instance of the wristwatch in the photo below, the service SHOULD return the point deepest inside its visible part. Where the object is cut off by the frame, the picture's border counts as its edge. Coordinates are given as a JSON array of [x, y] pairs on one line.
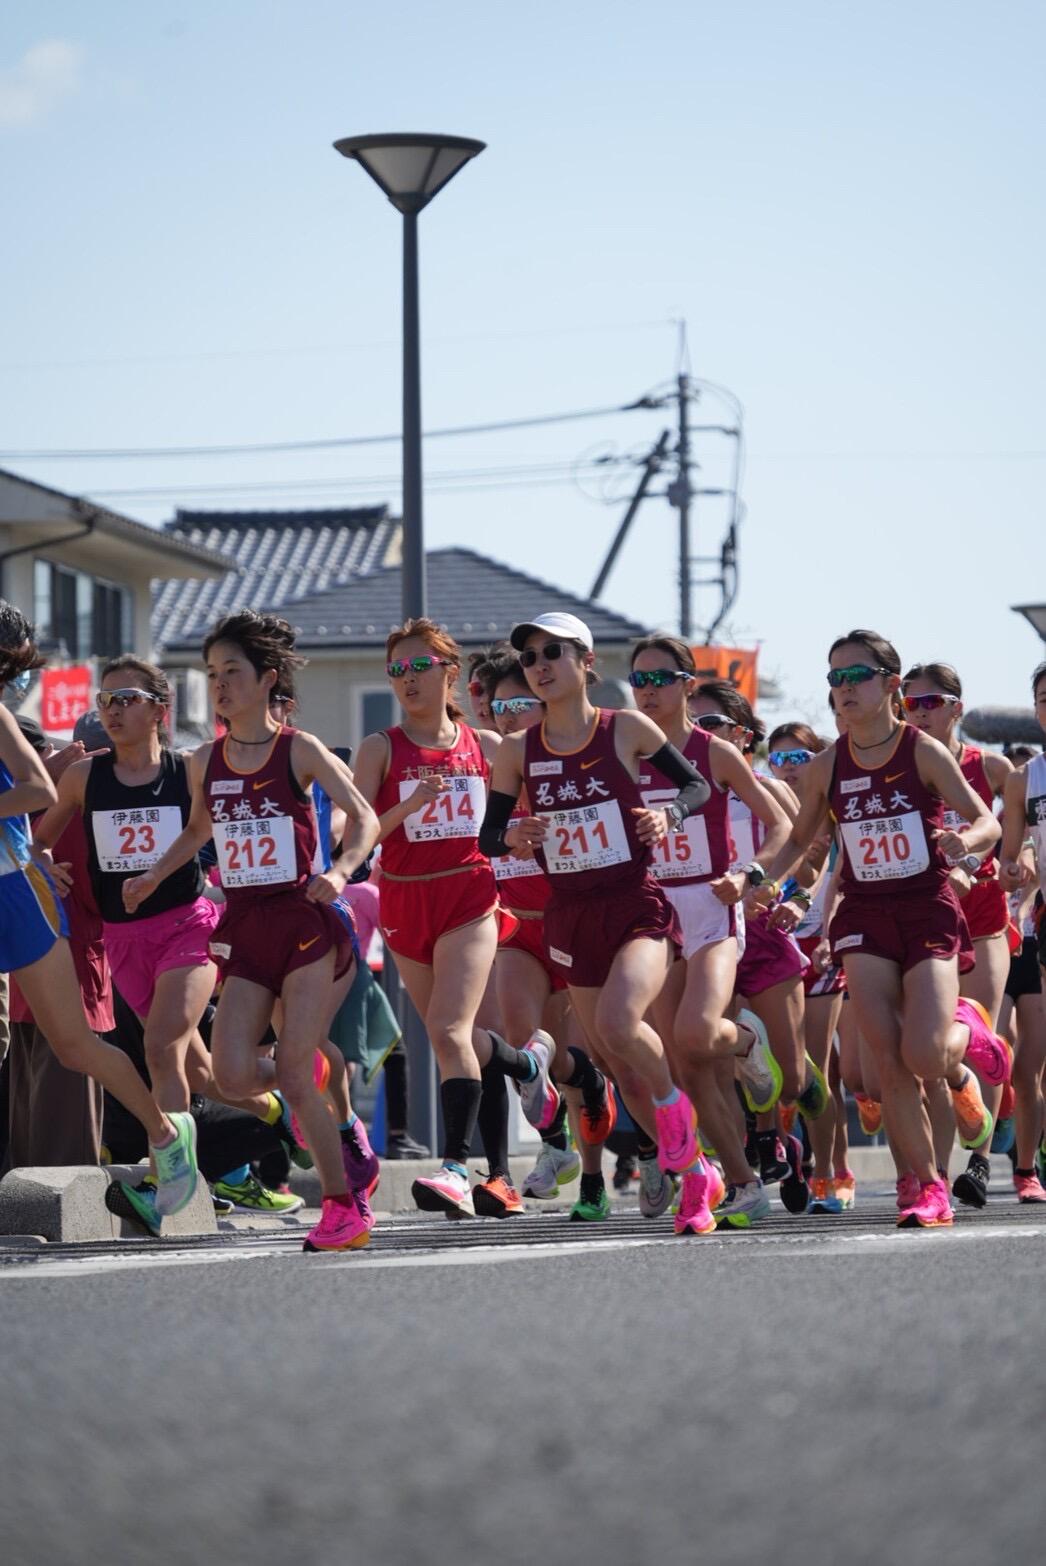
[[675, 815], [755, 873]]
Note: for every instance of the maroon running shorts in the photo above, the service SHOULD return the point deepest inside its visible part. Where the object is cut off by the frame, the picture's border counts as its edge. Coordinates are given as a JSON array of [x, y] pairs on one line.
[[414, 914], [770, 957], [583, 935], [906, 930], [268, 938]]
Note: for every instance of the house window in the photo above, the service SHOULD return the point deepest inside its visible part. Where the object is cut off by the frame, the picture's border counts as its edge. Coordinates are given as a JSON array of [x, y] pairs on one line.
[[375, 709], [89, 616]]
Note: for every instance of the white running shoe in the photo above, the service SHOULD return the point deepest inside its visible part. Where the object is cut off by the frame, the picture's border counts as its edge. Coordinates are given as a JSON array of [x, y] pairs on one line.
[[744, 1205], [657, 1190], [446, 1191], [758, 1071], [554, 1169]]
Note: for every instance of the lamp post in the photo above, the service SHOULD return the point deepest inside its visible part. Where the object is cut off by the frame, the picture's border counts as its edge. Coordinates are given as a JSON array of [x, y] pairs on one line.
[[411, 170]]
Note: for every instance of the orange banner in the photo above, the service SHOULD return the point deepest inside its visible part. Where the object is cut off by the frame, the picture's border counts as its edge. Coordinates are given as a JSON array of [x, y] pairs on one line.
[[736, 664]]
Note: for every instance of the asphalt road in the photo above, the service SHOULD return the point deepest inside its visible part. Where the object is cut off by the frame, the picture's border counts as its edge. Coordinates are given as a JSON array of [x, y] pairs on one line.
[[825, 1390]]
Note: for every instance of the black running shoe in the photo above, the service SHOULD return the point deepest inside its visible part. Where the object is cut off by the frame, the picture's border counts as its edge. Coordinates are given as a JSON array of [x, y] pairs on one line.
[[971, 1187], [625, 1172], [773, 1165], [795, 1192]]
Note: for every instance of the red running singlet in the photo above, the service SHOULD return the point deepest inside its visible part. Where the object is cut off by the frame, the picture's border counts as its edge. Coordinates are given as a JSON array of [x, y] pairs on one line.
[[703, 849], [887, 817], [442, 835]]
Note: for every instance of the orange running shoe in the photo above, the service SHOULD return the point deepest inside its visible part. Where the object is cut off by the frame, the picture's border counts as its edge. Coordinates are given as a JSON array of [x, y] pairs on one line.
[[844, 1189], [787, 1114], [496, 1198], [599, 1113], [869, 1113], [973, 1120]]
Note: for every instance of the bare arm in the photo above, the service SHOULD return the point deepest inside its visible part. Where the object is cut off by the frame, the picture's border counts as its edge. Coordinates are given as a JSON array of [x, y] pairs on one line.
[[940, 771], [1014, 870], [189, 841], [71, 796], [312, 761], [33, 789], [372, 765]]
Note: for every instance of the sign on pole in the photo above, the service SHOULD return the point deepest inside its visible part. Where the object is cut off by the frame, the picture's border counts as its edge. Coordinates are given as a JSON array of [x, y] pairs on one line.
[[64, 695], [736, 664]]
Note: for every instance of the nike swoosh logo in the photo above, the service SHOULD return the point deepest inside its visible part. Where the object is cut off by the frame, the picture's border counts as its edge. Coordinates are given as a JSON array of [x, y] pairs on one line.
[[891, 777], [303, 946], [257, 786], [586, 764]]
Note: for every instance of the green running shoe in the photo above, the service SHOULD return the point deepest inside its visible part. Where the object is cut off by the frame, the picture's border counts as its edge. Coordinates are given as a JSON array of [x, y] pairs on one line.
[[250, 1196], [591, 1212], [176, 1166], [135, 1203], [813, 1100]]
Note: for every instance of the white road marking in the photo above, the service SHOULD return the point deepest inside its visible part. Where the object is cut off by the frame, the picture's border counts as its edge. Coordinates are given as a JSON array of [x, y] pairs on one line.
[[806, 1246]]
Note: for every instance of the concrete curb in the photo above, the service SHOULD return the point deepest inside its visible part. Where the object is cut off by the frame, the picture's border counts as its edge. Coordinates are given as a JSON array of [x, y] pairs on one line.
[[871, 1165], [69, 1204]]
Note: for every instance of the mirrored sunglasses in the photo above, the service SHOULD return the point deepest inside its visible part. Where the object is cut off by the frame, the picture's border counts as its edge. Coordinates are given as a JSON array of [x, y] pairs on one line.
[[853, 674], [129, 697], [656, 677], [931, 703], [714, 720], [789, 758], [514, 704], [401, 666]]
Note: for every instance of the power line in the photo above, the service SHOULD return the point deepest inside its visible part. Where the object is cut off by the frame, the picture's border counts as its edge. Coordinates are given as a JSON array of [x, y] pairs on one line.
[[331, 444]]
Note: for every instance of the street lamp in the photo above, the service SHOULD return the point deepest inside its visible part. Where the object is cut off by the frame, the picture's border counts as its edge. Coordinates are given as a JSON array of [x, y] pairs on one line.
[[411, 170], [1035, 614]]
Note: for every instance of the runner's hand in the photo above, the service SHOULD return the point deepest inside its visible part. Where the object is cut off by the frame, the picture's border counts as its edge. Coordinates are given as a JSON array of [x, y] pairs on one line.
[[524, 835], [651, 825], [61, 874], [785, 917], [961, 881], [326, 888], [137, 889], [427, 790], [952, 844], [821, 957], [729, 889], [63, 759], [1015, 875]]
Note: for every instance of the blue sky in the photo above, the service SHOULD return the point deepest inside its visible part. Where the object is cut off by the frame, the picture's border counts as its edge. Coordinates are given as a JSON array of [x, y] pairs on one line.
[[843, 200]]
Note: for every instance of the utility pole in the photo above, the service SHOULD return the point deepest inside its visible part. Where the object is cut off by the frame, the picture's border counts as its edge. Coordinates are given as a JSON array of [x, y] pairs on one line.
[[683, 493]]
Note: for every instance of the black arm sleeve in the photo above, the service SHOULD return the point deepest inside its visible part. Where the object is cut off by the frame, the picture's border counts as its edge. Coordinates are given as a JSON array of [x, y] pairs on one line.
[[496, 818], [694, 790]]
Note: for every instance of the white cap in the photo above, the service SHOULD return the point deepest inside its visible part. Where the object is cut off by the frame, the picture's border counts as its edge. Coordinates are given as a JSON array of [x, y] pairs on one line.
[[565, 625]]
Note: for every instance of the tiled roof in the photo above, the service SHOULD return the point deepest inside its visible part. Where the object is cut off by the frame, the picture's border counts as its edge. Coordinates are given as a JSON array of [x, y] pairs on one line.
[[476, 598], [279, 555]]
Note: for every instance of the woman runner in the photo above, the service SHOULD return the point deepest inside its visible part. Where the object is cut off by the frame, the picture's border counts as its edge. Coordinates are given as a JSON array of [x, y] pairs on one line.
[[278, 937], [33, 947], [427, 779], [898, 930], [609, 929], [693, 870]]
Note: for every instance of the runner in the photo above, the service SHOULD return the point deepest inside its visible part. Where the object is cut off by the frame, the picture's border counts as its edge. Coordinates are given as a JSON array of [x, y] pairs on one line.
[[609, 930], [898, 929], [770, 973], [932, 695], [278, 937], [33, 944], [693, 869], [1022, 862], [832, 1188], [439, 910], [533, 993]]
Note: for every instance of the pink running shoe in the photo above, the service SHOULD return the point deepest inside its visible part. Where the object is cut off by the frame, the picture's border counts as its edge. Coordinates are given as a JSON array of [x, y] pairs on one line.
[[987, 1054], [907, 1191], [540, 1096], [364, 1209], [716, 1183], [677, 1148], [359, 1160], [1028, 1188], [694, 1215], [931, 1210], [342, 1227], [446, 1191]]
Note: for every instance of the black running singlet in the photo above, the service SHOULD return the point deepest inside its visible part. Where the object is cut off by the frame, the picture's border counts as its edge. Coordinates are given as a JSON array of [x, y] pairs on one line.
[[128, 829]]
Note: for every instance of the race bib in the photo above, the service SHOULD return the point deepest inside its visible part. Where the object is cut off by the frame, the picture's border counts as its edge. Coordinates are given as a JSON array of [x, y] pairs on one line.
[[887, 848], [590, 837], [258, 852], [457, 812], [508, 868], [679, 855], [129, 841]]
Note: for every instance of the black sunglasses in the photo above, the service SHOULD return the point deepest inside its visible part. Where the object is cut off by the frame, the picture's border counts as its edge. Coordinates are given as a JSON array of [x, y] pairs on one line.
[[549, 653]]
